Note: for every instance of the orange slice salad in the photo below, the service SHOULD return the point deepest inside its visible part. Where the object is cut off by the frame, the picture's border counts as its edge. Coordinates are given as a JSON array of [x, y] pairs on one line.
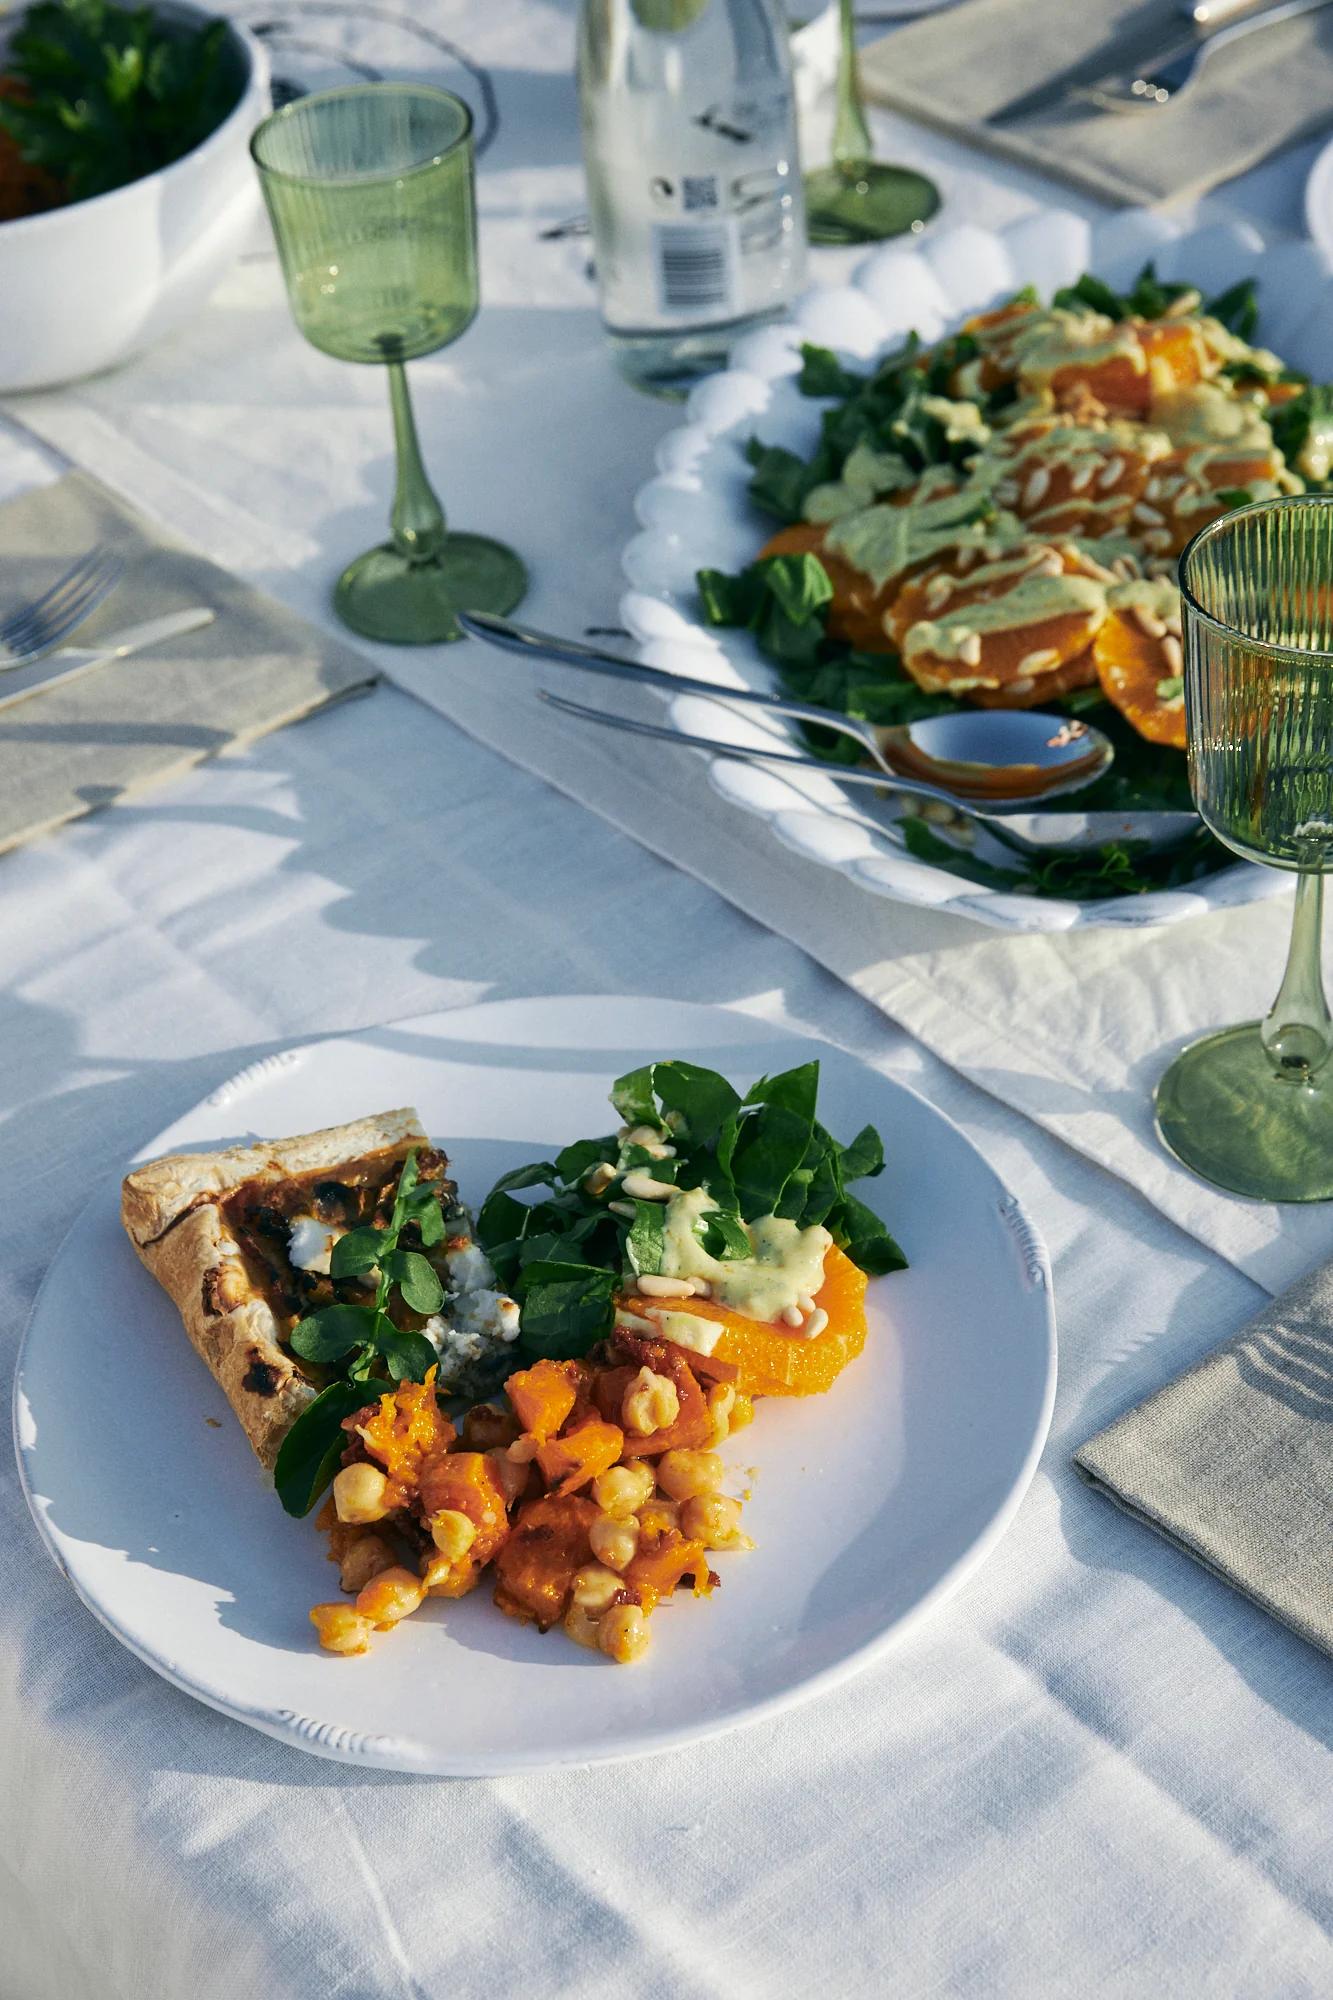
[[594, 1486], [998, 517]]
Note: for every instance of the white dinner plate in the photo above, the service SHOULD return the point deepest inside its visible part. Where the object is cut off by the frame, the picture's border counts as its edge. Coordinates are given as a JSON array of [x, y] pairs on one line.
[[696, 513], [871, 1503]]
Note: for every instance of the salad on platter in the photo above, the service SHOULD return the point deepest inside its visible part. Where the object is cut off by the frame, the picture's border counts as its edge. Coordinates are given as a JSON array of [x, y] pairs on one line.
[[997, 519]]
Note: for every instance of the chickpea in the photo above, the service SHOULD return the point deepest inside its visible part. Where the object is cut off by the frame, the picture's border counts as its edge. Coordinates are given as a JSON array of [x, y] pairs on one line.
[[523, 1450], [452, 1532], [582, 1627], [340, 1629], [368, 1555], [721, 1401], [615, 1543], [622, 1632], [714, 1520], [358, 1494], [685, 1473], [659, 1517], [649, 1404], [485, 1427], [595, 1588], [393, 1594], [623, 1490]]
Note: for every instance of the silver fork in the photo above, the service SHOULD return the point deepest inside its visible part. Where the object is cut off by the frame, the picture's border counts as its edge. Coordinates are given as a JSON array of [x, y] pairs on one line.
[[38, 627], [1150, 87]]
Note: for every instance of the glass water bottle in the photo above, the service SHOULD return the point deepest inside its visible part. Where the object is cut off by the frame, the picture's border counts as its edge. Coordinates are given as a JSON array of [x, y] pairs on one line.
[[694, 185]]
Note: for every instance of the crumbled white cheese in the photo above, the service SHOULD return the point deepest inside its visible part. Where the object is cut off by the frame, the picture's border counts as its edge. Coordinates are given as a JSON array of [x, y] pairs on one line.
[[489, 1313], [310, 1243], [469, 1268]]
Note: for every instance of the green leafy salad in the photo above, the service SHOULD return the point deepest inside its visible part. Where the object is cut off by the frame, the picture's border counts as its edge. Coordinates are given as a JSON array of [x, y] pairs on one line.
[[995, 448], [94, 96], [564, 1256]]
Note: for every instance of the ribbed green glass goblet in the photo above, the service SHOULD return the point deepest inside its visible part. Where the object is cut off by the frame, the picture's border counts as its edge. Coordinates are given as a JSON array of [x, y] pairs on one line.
[[370, 191], [1252, 1108]]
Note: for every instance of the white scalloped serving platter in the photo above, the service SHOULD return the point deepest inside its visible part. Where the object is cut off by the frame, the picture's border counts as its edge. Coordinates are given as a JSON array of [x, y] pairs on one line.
[[871, 1503], [696, 512]]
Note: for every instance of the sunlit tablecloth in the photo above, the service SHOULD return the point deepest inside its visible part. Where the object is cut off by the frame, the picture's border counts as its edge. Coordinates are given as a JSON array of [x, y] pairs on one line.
[[1094, 1771]]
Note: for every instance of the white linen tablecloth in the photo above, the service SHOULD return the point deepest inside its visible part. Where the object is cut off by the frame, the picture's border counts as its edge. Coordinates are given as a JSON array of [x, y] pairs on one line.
[[1094, 1771]]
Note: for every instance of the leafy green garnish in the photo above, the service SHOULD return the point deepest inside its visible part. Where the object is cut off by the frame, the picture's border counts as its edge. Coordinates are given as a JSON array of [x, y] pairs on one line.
[[111, 94], [781, 599], [564, 1255], [1291, 422], [1122, 868], [1171, 688], [1237, 308], [309, 1454], [1235, 496]]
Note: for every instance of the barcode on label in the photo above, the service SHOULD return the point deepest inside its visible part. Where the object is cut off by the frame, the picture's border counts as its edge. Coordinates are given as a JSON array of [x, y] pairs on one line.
[[695, 265]]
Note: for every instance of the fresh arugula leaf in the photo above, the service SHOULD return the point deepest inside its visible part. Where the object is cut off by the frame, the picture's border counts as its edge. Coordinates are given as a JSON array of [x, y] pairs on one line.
[[309, 1454], [356, 1252], [867, 1241], [406, 1355], [632, 1094], [723, 1235], [416, 1278], [326, 1336], [566, 1308], [645, 1243]]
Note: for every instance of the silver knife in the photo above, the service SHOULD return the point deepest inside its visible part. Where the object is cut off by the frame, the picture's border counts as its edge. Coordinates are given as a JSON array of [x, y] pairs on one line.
[[1201, 20], [71, 662]]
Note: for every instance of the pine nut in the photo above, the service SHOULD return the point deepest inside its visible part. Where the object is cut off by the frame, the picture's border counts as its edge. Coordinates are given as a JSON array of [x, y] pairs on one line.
[[793, 1316], [665, 1288], [1082, 477], [816, 1323], [1150, 516], [1109, 474], [642, 1187], [1037, 487], [1174, 655], [1147, 621], [1038, 662]]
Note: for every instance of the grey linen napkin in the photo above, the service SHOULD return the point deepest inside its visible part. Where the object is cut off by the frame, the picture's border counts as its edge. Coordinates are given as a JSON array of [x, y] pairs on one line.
[[958, 67], [126, 725], [1234, 1461]]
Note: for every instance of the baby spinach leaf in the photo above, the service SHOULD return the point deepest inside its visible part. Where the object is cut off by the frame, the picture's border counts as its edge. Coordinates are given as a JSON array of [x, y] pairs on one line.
[[566, 1308], [864, 1157], [644, 1244], [701, 1098], [579, 1159], [782, 482], [859, 1231], [723, 1235], [822, 374], [1237, 308], [326, 1336], [632, 1094], [309, 1454]]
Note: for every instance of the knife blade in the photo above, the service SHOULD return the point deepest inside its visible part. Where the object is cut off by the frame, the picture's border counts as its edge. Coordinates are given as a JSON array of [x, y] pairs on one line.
[[70, 663], [1199, 19]]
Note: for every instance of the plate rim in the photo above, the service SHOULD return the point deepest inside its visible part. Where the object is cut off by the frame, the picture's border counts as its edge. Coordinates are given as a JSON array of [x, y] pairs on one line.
[[1008, 910], [405, 1753]]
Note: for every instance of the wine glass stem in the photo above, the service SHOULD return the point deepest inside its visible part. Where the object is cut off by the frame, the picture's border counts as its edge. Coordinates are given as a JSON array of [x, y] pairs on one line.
[[851, 134], [417, 519], [1298, 1033]]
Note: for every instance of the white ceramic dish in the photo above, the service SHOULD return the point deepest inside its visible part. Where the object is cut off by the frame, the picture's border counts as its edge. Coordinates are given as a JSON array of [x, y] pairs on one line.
[[871, 1504], [85, 287], [696, 511], [1319, 203]]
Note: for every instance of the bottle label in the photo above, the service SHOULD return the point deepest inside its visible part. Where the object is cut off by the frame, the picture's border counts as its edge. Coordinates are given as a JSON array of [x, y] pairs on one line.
[[695, 264]]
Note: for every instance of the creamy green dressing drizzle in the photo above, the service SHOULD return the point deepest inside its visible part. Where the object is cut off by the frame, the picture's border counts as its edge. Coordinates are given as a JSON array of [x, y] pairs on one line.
[[788, 1261], [1034, 600]]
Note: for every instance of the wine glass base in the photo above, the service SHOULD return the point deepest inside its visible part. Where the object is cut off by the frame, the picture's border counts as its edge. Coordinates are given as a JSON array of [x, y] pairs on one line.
[[865, 201], [1224, 1112], [384, 596]]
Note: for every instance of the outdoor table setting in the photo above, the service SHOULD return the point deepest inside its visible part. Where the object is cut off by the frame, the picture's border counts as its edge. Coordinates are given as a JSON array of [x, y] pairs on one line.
[[667, 772]]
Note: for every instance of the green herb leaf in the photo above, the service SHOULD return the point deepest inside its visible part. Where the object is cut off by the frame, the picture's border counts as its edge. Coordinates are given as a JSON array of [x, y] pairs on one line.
[[416, 1279], [1235, 496], [864, 1157], [309, 1454], [579, 1159], [1171, 688], [646, 1240], [1237, 308], [566, 1308], [701, 1099], [822, 374], [406, 1355], [326, 1336], [356, 1252], [859, 1231], [1090, 294], [429, 1219], [723, 1235], [632, 1096]]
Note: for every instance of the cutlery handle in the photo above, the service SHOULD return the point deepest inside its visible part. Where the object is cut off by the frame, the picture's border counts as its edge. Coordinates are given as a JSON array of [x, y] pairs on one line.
[[1210, 14], [530, 644], [1259, 17]]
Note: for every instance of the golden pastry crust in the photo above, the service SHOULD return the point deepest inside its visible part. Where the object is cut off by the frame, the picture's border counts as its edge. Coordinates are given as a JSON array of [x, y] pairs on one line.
[[170, 1209]]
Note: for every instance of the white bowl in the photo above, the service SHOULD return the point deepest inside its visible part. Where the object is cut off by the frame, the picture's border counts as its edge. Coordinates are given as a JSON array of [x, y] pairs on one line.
[[85, 287]]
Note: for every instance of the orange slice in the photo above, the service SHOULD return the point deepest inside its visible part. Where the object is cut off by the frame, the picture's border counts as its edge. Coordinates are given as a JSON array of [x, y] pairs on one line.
[[773, 1360], [1132, 668]]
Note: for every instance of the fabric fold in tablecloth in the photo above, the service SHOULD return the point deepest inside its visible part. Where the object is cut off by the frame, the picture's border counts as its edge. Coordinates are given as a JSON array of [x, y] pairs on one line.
[[1233, 1462], [966, 63]]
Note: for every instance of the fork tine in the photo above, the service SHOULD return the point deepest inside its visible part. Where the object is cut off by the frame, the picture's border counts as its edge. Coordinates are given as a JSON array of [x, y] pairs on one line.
[[18, 619], [40, 631]]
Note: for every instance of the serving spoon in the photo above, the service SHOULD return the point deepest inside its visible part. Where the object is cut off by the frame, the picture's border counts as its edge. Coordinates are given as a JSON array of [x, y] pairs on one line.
[[994, 765]]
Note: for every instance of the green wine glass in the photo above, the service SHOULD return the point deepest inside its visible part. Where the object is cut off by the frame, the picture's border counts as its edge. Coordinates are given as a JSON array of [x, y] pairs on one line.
[[1252, 1108], [370, 191], [857, 199]]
